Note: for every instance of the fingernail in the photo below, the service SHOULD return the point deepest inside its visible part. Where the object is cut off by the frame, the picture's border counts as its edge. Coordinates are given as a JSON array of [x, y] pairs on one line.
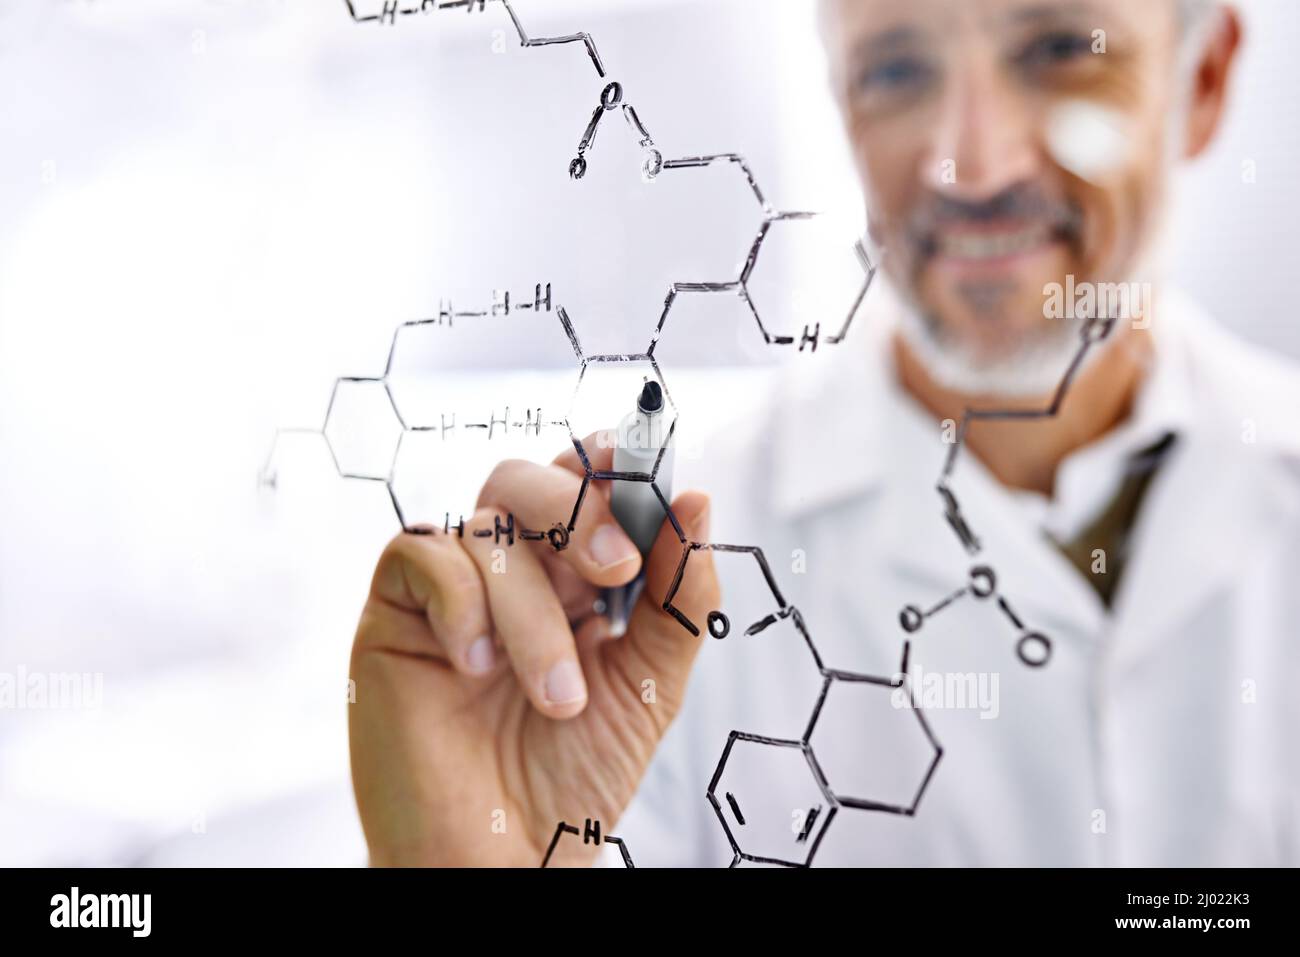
[[481, 656], [564, 684], [610, 546]]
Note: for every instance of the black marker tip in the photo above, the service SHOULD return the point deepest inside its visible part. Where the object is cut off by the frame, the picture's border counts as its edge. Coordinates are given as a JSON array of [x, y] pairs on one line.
[[651, 399]]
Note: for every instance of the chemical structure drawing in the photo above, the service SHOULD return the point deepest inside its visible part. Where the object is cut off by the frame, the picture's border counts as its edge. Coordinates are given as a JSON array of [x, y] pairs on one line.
[[887, 772], [602, 381], [893, 771], [654, 164], [810, 336], [830, 775], [1033, 648], [718, 622], [411, 440], [769, 830], [810, 824], [611, 97], [590, 834]]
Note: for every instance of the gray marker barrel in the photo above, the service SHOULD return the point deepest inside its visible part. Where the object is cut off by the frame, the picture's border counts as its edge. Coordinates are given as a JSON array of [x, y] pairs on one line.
[[636, 507], [641, 437]]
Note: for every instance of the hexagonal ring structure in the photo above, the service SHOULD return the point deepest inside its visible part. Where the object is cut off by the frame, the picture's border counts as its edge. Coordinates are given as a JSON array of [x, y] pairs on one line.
[[895, 776], [770, 832], [605, 383]]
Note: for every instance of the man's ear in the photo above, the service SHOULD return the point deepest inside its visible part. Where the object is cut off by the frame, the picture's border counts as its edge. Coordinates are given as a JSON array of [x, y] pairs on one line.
[[1211, 78]]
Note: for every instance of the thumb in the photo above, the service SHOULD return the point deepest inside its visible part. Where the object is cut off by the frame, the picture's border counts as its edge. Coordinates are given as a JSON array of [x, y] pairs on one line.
[[665, 647]]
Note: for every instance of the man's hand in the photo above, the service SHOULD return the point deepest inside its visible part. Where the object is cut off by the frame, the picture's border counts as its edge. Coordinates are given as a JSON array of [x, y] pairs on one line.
[[491, 705]]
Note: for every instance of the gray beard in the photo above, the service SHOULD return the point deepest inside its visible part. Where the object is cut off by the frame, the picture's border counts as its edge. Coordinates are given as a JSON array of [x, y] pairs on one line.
[[1034, 367], [1027, 364]]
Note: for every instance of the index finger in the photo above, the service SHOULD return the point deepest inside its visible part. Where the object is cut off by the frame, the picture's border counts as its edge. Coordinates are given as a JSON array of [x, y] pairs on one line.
[[599, 448], [600, 551]]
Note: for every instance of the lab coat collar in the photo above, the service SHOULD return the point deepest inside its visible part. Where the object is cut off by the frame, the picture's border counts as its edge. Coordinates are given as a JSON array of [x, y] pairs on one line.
[[1228, 489], [849, 432], [833, 423], [841, 417], [1090, 477]]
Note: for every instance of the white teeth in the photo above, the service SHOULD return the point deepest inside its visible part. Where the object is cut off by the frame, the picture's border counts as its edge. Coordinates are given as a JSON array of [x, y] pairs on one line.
[[992, 245]]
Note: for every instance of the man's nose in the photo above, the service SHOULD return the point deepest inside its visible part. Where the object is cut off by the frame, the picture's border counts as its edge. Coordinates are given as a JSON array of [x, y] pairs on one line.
[[984, 141]]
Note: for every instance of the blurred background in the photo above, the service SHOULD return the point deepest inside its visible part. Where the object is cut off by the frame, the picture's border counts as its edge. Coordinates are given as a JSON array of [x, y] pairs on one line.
[[211, 210]]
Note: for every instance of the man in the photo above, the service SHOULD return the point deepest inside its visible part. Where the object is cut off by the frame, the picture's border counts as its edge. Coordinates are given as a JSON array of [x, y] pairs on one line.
[[1120, 571]]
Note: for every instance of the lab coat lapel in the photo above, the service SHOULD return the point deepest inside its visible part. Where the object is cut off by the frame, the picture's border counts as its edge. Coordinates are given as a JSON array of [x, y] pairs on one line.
[[1048, 592], [1221, 497], [1210, 507]]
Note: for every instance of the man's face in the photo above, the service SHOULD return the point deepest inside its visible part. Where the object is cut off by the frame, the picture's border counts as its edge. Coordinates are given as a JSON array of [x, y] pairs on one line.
[[1003, 145]]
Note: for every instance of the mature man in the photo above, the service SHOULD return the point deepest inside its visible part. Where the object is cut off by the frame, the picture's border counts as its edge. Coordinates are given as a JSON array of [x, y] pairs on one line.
[[1121, 572]]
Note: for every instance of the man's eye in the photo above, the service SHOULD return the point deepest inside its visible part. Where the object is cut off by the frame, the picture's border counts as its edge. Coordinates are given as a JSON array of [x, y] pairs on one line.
[[1056, 48], [894, 74]]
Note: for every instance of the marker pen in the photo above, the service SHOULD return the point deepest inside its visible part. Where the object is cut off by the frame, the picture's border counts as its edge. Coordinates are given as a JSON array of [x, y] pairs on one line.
[[641, 436]]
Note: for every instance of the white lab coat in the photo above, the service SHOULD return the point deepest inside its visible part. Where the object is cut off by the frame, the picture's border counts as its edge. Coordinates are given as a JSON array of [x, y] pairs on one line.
[[1161, 732]]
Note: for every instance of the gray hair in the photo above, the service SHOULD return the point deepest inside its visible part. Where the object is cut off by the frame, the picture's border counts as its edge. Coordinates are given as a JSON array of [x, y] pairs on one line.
[[1192, 14], [1195, 21]]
